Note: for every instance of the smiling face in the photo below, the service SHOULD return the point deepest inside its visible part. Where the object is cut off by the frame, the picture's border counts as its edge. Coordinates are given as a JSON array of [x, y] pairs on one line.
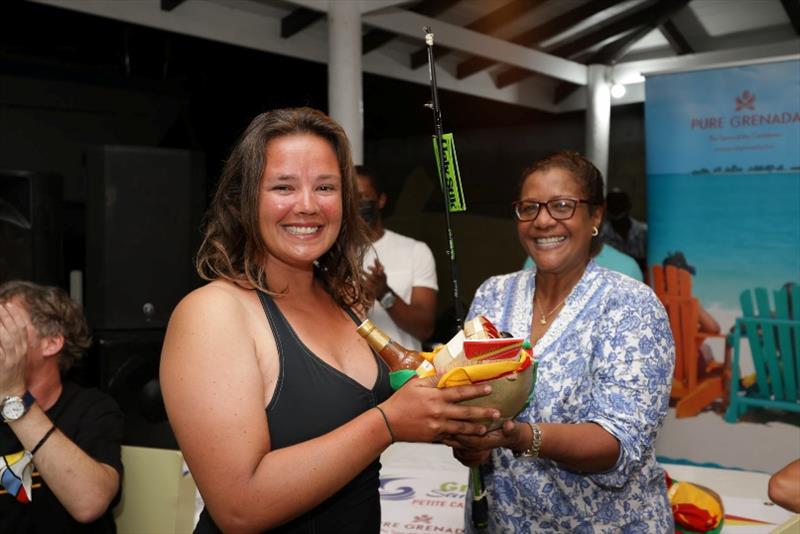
[[300, 199], [557, 247]]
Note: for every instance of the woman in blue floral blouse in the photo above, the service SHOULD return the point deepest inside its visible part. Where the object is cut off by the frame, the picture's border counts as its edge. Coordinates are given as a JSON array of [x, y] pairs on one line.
[[580, 457]]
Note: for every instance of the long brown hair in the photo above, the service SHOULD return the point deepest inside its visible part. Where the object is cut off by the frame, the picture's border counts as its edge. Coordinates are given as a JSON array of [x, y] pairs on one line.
[[232, 247]]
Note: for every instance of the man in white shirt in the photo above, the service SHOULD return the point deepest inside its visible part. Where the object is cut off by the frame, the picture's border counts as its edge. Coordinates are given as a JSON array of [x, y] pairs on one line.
[[401, 273]]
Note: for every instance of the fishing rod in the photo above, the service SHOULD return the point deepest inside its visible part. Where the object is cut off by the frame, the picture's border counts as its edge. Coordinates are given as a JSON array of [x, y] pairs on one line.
[[446, 191], [480, 506]]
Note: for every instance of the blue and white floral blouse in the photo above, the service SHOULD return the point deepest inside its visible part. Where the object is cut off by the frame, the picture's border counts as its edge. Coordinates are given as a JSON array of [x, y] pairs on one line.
[[607, 358]]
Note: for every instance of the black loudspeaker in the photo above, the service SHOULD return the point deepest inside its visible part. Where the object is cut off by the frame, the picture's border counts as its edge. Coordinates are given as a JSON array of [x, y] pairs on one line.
[[31, 227], [144, 207], [129, 361]]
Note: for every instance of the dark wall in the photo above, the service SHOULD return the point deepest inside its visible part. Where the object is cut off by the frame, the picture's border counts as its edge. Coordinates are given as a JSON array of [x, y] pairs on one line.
[[491, 161], [627, 165], [47, 124], [69, 80]]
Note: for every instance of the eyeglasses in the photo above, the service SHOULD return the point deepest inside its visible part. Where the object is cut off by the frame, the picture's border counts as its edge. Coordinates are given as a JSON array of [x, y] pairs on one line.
[[559, 209]]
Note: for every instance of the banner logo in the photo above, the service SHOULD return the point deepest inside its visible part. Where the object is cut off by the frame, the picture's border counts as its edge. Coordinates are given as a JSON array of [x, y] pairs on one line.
[[424, 518], [747, 100], [390, 493]]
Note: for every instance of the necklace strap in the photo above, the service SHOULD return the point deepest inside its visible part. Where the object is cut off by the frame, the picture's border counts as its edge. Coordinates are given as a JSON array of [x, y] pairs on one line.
[[546, 314]]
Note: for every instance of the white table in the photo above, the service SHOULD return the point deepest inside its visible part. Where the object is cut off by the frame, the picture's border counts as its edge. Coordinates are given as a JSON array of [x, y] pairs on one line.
[[744, 497], [423, 489]]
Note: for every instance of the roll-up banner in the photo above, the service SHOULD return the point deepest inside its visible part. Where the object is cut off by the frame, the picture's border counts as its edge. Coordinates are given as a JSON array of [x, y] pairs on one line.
[[723, 171]]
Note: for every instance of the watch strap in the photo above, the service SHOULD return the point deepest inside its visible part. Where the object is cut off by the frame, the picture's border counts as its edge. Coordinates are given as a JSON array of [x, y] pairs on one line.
[[27, 400]]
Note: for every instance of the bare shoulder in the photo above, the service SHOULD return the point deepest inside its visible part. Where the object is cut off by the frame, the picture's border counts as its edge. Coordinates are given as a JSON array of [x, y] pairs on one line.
[[213, 384], [209, 324], [216, 299]]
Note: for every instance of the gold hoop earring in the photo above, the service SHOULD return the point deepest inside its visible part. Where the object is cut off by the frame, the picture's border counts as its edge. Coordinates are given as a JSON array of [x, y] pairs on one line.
[[595, 231]]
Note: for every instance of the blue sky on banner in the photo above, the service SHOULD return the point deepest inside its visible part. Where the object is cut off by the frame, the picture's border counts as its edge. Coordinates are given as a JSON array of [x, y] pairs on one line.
[[744, 116], [723, 178]]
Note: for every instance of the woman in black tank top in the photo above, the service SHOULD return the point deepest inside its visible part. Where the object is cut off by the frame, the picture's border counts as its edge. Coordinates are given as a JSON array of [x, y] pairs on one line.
[[273, 396]]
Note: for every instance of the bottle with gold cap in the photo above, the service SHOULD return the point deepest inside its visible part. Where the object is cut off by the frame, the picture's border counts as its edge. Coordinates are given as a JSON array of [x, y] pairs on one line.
[[397, 357]]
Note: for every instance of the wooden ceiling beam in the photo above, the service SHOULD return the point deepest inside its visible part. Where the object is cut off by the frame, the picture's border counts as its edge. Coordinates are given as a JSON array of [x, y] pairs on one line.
[[169, 5], [679, 44], [792, 8], [539, 33], [408, 24], [613, 52], [487, 24], [635, 24], [298, 20], [376, 38]]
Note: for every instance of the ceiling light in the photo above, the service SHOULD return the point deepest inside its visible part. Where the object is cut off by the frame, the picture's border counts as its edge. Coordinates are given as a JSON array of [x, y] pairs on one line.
[[617, 90]]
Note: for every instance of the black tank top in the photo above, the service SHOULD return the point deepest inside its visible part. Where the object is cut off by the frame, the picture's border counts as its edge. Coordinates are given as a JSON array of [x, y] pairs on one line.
[[311, 399]]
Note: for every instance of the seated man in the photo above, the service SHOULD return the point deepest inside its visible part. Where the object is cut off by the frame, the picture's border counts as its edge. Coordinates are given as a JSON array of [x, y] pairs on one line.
[[60, 465]]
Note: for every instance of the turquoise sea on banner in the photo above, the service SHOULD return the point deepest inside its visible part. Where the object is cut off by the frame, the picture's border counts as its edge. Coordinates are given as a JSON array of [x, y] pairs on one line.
[[737, 230]]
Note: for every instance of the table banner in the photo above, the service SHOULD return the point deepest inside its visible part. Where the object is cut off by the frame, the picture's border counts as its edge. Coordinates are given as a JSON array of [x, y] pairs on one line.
[[423, 500]]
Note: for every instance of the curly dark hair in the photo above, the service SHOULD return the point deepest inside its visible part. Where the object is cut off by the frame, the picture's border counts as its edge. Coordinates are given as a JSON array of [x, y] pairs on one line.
[[52, 313], [585, 173], [232, 247]]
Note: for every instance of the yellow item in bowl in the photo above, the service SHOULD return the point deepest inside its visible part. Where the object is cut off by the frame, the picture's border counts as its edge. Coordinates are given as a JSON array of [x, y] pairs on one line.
[[481, 372], [512, 383]]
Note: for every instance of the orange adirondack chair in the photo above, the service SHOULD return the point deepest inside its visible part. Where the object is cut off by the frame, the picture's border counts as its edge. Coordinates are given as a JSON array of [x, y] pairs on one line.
[[693, 392]]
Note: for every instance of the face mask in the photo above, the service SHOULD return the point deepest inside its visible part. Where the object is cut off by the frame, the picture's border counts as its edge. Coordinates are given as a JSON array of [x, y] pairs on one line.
[[368, 209]]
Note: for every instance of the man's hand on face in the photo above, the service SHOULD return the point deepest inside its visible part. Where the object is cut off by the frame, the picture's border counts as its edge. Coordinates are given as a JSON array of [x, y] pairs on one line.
[[13, 349]]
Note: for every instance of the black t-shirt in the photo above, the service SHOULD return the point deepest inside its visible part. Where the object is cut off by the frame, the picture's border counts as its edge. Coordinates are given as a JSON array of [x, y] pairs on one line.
[[94, 422]]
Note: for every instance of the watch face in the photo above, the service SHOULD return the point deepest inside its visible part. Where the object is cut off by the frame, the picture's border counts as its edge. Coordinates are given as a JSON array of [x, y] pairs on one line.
[[387, 301], [13, 409]]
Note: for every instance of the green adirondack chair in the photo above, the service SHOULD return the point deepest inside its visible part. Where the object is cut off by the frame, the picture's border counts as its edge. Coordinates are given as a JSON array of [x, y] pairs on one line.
[[774, 338]]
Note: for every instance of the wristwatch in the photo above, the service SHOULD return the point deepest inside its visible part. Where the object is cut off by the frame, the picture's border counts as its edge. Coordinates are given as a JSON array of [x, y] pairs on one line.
[[387, 300], [14, 407]]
